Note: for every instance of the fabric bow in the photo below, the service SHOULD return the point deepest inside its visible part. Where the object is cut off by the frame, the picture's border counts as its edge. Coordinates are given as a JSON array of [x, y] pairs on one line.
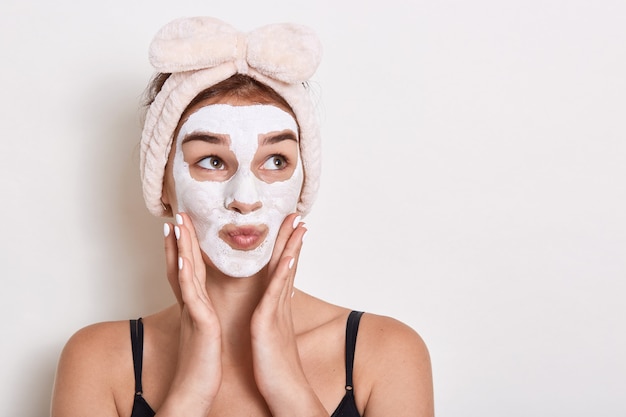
[[283, 51]]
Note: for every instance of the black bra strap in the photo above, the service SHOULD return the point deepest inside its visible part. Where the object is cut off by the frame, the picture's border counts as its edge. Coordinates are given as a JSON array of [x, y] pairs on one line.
[[136, 339], [351, 331]]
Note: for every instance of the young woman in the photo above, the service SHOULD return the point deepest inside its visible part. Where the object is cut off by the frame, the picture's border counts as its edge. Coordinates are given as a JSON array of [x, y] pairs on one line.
[[230, 148]]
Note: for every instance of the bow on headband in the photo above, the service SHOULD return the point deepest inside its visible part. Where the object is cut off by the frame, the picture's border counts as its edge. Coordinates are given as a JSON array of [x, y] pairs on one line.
[[285, 52], [200, 52]]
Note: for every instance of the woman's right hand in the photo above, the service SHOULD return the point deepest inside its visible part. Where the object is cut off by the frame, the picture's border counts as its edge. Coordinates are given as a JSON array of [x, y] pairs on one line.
[[199, 369]]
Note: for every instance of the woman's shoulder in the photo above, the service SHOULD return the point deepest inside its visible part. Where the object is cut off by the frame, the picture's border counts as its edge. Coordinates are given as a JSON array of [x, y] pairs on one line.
[[392, 370], [386, 334], [99, 339], [383, 342], [102, 349], [393, 362], [377, 333], [93, 366], [109, 338], [389, 345]]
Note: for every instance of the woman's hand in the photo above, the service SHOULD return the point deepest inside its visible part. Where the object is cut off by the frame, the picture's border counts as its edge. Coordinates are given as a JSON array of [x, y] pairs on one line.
[[276, 361], [199, 368]]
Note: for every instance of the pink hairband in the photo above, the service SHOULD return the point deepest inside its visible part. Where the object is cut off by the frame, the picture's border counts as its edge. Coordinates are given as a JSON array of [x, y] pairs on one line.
[[200, 52]]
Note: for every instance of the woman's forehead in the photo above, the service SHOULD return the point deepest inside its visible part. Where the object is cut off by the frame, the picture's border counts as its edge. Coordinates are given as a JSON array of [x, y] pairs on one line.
[[238, 120], [232, 101]]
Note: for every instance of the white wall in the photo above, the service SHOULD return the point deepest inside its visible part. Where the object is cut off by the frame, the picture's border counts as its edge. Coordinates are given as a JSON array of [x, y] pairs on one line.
[[474, 186]]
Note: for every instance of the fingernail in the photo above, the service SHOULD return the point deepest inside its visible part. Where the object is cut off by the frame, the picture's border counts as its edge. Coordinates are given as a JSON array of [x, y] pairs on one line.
[[296, 221], [166, 229], [180, 263], [177, 232], [179, 219], [304, 235], [291, 262]]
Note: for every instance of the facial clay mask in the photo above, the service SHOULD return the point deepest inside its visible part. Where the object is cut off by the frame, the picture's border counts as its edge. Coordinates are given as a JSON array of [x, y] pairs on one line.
[[238, 242]]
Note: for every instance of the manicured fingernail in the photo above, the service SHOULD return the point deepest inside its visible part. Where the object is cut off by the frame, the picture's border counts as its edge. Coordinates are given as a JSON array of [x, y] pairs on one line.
[[179, 219], [291, 262], [177, 232], [166, 229], [180, 263], [296, 221], [304, 235]]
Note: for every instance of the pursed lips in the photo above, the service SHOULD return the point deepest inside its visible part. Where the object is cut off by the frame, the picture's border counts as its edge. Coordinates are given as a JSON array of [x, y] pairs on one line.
[[243, 238]]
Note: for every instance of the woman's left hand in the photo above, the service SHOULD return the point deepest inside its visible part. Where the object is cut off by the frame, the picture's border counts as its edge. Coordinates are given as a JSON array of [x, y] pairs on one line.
[[276, 361]]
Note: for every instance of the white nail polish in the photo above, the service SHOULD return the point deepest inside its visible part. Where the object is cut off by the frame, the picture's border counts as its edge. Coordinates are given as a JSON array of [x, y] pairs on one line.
[[304, 235], [296, 221], [166, 229], [179, 219], [177, 232], [180, 263], [291, 262]]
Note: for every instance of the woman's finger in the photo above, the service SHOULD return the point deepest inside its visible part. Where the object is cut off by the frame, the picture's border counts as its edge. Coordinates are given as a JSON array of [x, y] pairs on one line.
[[171, 261], [287, 228], [184, 221], [192, 284], [293, 249], [278, 286], [283, 275], [190, 293], [192, 274]]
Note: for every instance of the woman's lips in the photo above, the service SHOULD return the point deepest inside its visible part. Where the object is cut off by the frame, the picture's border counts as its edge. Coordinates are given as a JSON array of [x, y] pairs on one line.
[[243, 237]]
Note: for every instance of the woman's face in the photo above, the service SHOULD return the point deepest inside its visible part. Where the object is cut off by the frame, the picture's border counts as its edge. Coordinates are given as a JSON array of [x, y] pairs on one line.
[[236, 171]]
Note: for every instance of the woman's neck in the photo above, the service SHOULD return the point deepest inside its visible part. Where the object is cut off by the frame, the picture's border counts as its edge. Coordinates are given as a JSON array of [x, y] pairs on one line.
[[235, 300]]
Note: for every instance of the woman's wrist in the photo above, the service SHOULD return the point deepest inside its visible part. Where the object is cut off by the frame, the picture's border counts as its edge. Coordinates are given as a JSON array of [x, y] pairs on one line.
[[300, 402], [184, 404]]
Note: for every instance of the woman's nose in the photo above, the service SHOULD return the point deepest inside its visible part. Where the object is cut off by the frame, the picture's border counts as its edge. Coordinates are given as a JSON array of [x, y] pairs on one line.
[[241, 193], [244, 208]]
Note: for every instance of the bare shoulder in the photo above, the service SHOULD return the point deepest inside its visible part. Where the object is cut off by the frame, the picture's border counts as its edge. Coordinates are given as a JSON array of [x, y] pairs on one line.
[[93, 362], [107, 332], [97, 345], [393, 363], [391, 338]]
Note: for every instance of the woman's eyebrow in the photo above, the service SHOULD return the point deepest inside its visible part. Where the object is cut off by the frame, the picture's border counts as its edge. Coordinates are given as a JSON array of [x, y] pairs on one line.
[[205, 137], [272, 139]]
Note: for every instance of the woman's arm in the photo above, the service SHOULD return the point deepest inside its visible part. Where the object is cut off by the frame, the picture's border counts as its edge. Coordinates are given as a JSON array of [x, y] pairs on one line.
[[277, 368], [199, 367]]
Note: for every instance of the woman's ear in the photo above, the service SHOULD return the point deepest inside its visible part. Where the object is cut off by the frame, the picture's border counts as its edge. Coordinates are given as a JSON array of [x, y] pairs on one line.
[[168, 195], [166, 202]]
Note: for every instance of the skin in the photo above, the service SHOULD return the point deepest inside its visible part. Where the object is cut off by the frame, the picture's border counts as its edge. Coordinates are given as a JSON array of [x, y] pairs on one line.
[[235, 347]]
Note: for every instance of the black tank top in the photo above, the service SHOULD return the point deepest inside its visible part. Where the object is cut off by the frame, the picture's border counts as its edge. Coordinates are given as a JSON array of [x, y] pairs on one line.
[[346, 408]]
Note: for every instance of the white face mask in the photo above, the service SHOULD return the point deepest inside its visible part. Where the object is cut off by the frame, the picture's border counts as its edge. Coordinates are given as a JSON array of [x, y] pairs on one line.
[[238, 242]]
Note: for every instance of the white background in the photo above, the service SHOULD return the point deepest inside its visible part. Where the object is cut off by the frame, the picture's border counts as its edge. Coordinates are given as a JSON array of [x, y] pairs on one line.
[[473, 187]]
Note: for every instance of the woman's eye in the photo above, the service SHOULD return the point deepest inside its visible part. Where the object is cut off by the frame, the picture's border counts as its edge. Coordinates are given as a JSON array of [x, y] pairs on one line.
[[211, 162], [275, 162]]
